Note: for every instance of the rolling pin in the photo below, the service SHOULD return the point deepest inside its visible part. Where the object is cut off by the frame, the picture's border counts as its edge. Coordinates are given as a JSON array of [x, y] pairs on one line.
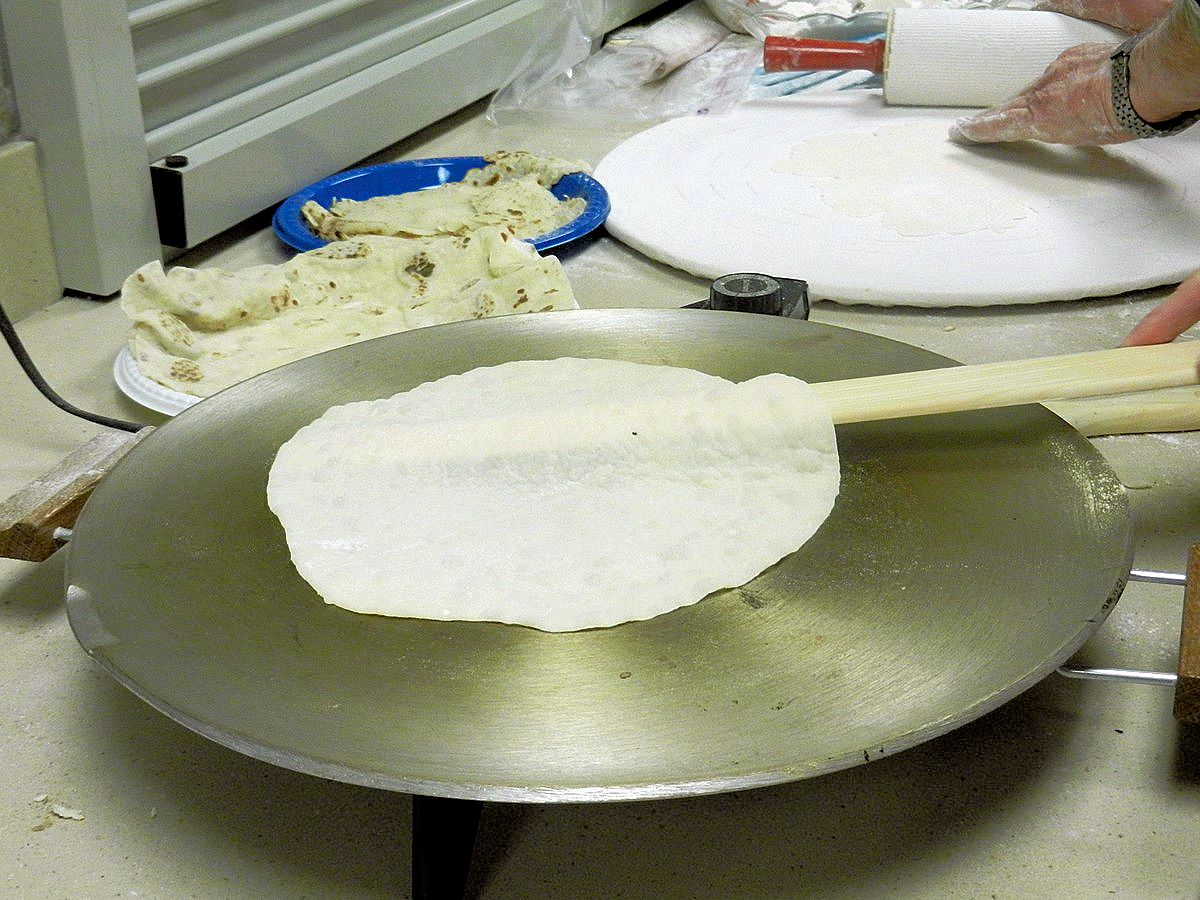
[[947, 57]]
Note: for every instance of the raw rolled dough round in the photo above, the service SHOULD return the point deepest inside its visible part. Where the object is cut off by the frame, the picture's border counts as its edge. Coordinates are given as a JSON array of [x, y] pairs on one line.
[[558, 494], [873, 204]]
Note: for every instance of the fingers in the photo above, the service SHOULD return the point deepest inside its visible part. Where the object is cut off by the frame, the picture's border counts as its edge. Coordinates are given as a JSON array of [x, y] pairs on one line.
[[1010, 122], [1070, 103], [1171, 318]]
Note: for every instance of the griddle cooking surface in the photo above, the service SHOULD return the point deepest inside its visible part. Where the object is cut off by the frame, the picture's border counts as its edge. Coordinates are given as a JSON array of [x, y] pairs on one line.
[[967, 556]]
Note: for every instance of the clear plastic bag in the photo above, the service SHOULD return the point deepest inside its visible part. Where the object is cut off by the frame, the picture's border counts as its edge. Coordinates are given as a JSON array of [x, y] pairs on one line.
[[704, 57], [838, 19], [687, 63]]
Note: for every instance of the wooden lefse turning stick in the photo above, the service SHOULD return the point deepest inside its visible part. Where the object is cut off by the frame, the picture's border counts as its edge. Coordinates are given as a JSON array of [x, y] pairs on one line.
[[989, 385], [1159, 411]]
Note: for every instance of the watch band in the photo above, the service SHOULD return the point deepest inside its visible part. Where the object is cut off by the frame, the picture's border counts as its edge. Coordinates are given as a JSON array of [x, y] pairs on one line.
[[1123, 108]]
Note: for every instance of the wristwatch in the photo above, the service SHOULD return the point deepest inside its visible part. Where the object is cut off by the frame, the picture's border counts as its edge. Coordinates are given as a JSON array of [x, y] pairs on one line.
[[1123, 108]]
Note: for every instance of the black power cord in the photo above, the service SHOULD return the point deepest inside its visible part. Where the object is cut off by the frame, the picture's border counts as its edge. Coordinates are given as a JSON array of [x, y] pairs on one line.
[[22, 355]]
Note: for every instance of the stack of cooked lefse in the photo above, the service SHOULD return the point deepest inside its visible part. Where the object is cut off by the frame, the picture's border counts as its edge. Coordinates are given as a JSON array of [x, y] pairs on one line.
[[511, 192], [393, 264]]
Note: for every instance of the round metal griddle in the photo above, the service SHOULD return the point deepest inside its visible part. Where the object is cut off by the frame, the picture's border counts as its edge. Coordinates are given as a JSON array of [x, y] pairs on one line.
[[967, 556]]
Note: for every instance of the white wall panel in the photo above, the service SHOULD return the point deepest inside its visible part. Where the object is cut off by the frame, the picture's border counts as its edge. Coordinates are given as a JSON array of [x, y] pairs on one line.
[[75, 87], [260, 96]]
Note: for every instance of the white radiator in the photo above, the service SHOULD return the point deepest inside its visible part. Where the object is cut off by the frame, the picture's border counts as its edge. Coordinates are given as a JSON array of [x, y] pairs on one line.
[[163, 122]]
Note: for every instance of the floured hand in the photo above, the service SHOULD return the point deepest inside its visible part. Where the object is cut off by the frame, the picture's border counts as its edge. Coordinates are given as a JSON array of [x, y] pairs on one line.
[[1071, 103]]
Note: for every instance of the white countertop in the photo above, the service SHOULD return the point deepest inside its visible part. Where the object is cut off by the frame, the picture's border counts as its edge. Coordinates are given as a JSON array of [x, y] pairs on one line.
[[1080, 789]]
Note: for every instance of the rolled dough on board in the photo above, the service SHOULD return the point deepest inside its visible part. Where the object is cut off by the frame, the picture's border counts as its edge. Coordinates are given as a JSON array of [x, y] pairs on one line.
[[740, 192]]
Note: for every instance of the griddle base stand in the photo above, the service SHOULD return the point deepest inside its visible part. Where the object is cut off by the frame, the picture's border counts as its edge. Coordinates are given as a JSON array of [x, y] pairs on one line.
[[443, 845]]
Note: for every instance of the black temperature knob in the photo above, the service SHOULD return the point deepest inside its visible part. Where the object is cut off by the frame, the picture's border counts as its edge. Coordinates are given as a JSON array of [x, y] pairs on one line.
[[747, 292]]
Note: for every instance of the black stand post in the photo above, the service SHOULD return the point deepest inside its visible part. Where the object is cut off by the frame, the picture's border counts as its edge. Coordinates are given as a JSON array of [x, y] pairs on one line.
[[443, 843]]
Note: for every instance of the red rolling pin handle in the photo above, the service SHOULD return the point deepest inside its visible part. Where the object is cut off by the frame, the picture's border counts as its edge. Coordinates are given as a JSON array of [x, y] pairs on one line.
[[784, 54]]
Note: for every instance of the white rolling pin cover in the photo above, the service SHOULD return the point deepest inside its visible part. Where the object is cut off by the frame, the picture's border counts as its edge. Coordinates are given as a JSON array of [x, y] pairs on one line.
[[976, 57]]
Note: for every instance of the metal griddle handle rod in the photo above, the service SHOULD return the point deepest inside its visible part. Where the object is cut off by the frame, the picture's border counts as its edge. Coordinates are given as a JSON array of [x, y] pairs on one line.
[[1130, 676]]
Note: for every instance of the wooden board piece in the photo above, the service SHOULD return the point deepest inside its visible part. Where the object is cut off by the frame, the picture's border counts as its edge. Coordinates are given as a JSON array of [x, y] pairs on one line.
[[1187, 688], [30, 518]]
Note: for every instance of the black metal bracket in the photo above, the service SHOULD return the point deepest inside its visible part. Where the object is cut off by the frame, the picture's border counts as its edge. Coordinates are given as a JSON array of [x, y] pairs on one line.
[[443, 846], [756, 293]]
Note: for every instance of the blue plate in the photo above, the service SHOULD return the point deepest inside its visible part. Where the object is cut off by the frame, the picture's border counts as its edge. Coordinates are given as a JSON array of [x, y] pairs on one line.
[[418, 174]]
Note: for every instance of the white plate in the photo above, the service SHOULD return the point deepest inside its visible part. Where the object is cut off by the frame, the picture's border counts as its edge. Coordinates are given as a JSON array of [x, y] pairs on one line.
[[150, 394], [701, 194]]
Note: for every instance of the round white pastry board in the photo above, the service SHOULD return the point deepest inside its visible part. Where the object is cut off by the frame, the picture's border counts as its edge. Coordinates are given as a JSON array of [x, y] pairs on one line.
[[715, 195]]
